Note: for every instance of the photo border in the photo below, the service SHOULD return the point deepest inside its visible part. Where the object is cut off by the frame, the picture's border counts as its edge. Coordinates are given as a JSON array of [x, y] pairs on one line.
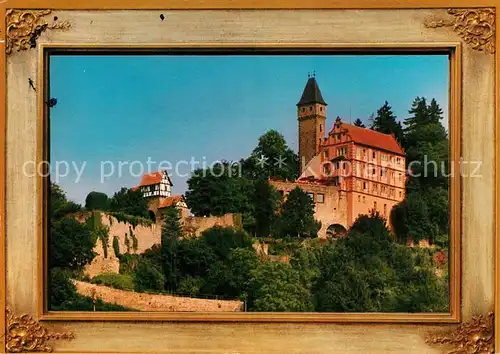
[[454, 52], [240, 4]]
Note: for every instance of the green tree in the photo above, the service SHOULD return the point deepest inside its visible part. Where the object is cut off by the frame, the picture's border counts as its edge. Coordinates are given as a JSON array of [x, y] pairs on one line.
[[385, 122], [96, 201], [147, 277], [280, 161], [369, 272], [223, 239], [277, 287], [59, 206], [70, 244], [418, 113], [129, 202], [266, 201], [411, 220], [231, 276], [359, 123], [219, 190], [297, 216], [171, 232]]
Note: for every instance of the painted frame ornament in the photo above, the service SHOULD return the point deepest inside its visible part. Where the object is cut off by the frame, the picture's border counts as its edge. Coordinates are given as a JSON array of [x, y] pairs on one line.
[[24, 334], [24, 27], [475, 26]]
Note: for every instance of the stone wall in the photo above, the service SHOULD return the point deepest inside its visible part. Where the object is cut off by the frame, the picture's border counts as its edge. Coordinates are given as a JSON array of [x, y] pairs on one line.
[[332, 211], [146, 236], [196, 225], [155, 302]]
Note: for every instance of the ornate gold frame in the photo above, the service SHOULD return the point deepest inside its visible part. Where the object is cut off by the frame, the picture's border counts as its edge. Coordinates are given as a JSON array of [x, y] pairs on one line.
[[474, 27]]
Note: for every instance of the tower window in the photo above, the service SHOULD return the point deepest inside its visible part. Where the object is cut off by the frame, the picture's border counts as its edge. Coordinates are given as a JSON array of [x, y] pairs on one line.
[[373, 154], [311, 108], [385, 209], [364, 186], [375, 206], [321, 109], [303, 109], [320, 128]]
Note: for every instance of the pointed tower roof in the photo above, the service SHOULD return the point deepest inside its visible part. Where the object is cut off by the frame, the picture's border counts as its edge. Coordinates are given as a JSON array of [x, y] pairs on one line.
[[312, 93]]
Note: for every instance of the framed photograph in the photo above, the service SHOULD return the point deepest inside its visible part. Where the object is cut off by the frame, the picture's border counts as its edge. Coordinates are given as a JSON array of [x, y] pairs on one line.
[[249, 177]]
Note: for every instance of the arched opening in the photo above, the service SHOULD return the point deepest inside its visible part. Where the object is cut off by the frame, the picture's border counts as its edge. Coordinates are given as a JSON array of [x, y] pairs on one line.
[[336, 231], [152, 215]]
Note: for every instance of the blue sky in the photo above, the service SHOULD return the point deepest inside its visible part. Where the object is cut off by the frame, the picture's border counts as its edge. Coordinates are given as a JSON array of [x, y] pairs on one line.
[[174, 108]]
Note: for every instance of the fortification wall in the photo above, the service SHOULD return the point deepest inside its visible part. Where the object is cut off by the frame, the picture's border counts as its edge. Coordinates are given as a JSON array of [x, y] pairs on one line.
[[136, 240], [155, 302]]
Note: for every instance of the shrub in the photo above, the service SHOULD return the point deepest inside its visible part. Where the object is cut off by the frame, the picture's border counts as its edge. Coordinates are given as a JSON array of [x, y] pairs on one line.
[[131, 219], [117, 281], [116, 246], [128, 263], [96, 201], [224, 239], [147, 277], [61, 288], [135, 243], [190, 286]]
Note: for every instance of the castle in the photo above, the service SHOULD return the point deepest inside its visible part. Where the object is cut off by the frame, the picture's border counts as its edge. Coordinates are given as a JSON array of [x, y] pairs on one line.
[[348, 171]]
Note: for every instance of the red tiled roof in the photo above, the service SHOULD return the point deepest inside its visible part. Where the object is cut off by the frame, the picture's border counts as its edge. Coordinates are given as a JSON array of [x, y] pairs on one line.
[[165, 203], [372, 138], [152, 178]]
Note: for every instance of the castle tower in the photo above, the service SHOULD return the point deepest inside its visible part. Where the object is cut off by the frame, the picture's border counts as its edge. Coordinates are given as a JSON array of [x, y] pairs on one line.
[[311, 113]]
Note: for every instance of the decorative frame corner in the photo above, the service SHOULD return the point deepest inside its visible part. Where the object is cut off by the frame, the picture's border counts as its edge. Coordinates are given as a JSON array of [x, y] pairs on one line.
[[476, 336], [23, 27], [24, 334], [475, 26]]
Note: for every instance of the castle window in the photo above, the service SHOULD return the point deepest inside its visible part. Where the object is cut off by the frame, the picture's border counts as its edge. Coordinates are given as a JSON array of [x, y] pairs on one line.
[[327, 169], [311, 108], [321, 109], [364, 199], [303, 109], [359, 199], [375, 206], [400, 194], [325, 154], [311, 195], [373, 154], [385, 209], [320, 198], [373, 172], [320, 128], [364, 186]]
